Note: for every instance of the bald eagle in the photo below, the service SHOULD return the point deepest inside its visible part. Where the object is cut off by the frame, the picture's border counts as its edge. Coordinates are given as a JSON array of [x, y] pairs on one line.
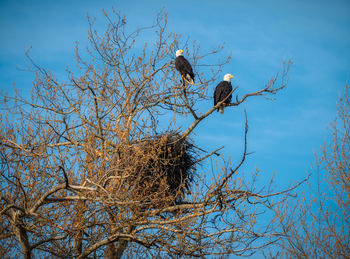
[[184, 67], [222, 90]]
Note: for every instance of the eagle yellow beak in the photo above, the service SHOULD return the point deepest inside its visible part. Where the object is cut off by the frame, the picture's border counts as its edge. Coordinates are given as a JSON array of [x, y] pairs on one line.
[[231, 76]]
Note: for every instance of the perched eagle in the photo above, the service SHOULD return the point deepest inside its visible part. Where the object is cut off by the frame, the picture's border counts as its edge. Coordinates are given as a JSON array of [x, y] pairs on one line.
[[184, 67], [222, 90]]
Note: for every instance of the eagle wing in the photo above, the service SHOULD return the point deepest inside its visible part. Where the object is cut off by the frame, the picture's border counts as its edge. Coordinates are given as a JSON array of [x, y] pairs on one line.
[[221, 91], [184, 67]]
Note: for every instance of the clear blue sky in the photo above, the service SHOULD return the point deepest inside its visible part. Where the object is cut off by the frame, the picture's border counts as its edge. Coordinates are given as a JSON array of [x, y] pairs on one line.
[[284, 133]]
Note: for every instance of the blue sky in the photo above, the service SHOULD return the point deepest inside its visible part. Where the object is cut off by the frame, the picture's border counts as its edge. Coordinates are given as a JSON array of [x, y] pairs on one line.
[[260, 34], [283, 134]]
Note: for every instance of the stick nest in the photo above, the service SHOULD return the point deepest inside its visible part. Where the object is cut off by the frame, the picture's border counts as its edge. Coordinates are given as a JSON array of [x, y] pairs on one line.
[[157, 171]]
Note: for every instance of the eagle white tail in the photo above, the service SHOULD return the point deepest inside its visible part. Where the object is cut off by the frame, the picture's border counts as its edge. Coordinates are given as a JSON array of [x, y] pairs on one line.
[[189, 79], [221, 109]]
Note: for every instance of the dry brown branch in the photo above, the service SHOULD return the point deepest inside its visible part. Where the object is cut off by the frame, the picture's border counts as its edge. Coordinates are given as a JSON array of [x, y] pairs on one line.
[[317, 224], [198, 120], [98, 167]]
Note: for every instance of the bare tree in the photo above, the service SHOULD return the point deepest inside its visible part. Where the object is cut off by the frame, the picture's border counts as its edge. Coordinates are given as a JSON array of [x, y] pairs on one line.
[[100, 166], [317, 225]]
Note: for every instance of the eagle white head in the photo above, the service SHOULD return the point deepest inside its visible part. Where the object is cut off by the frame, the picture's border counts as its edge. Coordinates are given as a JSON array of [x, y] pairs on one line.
[[228, 77], [179, 52]]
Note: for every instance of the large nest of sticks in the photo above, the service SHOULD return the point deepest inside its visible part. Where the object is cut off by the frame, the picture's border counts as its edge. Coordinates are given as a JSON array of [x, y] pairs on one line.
[[156, 171]]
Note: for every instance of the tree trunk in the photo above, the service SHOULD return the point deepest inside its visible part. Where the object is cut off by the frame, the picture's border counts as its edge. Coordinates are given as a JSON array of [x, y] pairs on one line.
[[79, 226], [22, 237]]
